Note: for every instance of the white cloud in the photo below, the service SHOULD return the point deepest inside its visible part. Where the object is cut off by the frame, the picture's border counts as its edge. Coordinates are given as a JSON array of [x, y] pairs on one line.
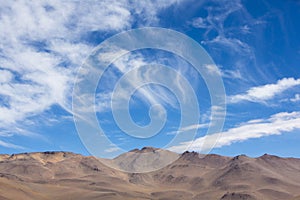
[[218, 71], [43, 43], [265, 92], [274, 125], [232, 74], [148, 94], [229, 40], [232, 44], [113, 149], [193, 127], [296, 98], [200, 23], [213, 69], [189, 128], [215, 22], [9, 145], [103, 101], [5, 76], [148, 9]]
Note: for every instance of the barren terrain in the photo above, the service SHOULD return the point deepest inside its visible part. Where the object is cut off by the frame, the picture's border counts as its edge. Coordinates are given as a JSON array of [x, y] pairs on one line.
[[63, 175]]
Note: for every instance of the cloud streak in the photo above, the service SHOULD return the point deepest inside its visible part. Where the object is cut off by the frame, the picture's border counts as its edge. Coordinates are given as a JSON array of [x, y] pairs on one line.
[[296, 98], [274, 125], [10, 145], [265, 92], [149, 94]]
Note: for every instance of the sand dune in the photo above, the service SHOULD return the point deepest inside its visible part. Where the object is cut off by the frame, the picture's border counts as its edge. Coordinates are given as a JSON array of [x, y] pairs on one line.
[[62, 175]]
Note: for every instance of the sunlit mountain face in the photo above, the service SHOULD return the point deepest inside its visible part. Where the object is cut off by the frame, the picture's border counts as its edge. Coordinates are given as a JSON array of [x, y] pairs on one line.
[[103, 78], [61, 175]]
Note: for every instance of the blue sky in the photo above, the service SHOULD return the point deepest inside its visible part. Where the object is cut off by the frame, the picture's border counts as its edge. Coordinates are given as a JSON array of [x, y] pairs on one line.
[[255, 46]]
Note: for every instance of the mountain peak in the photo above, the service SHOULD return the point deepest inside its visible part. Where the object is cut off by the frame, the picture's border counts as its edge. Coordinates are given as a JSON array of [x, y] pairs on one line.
[[268, 156], [240, 157], [146, 150], [187, 155]]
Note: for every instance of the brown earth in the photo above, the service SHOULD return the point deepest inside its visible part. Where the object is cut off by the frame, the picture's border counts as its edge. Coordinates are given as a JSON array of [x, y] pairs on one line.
[[63, 175]]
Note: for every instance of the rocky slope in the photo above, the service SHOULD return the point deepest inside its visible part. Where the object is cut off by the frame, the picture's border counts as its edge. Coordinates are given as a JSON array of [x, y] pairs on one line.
[[63, 175]]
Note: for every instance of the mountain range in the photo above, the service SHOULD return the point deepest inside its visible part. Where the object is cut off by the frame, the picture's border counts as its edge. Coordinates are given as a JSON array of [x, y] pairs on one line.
[[65, 175]]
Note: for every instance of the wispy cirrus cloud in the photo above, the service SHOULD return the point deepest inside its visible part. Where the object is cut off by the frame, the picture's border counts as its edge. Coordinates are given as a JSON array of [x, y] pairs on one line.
[[10, 145], [43, 43], [276, 124], [149, 94], [189, 128], [265, 92], [215, 22], [229, 42], [229, 74]]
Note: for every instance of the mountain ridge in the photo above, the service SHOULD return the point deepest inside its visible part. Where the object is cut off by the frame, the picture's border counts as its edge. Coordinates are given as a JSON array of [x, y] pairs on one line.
[[66, 175]]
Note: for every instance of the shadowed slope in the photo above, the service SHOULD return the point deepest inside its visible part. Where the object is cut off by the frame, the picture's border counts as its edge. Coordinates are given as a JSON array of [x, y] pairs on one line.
[[62, 175]]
